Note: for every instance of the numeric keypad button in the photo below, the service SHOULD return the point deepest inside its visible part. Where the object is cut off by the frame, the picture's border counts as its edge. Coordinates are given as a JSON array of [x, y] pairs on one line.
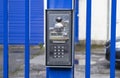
[[58, 46], [55, 56], [55, 47], [58, 50], [58, 56], [62, 50], [55, 50], [55, 53], [58, 53], [62, 53], [62, 47]]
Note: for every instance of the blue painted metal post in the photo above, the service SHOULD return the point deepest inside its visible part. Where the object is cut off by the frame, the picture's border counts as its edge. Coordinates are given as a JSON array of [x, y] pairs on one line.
[[113, 39], [5, 39], [76, 28], [27, 47], [76, 25], [88, 39], [59, 4], [60, 72]]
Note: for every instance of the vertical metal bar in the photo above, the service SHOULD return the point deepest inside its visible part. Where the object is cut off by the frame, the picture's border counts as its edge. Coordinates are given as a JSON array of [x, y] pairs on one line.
[[88, 38], [27, 50], [76, 28], [5, 39], [113, 39]]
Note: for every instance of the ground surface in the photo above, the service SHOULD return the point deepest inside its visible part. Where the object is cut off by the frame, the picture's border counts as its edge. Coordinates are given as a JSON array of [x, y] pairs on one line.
[[99, 66]]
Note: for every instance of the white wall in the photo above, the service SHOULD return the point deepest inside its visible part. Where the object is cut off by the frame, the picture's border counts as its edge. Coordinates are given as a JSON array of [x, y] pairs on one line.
[[82, 19], [118, 19], [99, 19]]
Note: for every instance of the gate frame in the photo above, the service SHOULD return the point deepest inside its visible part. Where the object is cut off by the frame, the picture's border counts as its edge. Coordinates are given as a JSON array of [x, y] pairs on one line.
[[5, 40], [113, 38], [88, 39]]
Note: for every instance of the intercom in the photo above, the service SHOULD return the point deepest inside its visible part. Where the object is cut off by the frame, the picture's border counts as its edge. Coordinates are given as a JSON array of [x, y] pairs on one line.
[[59, 38]]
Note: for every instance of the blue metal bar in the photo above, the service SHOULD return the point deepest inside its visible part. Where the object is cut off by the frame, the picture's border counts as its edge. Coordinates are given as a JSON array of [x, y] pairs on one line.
[[76, 28], [59, 4], [88, 39], [113, 39], [5, 39], [27, 47]]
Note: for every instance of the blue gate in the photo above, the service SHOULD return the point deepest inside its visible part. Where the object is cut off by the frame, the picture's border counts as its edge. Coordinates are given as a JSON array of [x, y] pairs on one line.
[[88, 38]]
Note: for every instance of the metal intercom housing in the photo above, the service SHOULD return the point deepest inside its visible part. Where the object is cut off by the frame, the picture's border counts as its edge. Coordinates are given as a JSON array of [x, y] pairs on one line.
[[59, 38]]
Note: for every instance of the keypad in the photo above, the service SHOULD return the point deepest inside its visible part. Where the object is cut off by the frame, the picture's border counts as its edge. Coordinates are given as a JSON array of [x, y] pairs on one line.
[[58, 51]]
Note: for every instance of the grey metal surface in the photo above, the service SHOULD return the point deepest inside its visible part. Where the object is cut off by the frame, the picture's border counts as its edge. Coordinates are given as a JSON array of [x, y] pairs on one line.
[[59, 29]]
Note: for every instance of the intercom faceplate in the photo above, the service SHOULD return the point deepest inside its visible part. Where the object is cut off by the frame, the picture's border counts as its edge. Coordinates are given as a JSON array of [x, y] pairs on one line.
[[59, 31]]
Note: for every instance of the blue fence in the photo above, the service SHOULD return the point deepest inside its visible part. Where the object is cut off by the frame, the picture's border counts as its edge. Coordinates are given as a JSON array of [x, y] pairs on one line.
[[27, 38], [88, 38], [113, 39], [5, 37]]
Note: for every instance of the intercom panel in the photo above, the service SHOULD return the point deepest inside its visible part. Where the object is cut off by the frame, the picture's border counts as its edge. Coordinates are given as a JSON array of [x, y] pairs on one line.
[[59, 38]]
